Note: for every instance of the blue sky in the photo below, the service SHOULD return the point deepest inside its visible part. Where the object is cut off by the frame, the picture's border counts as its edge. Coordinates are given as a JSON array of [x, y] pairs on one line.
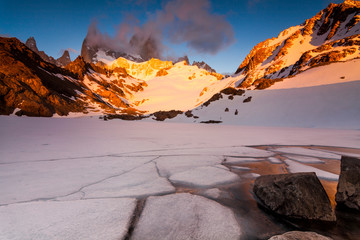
[[59, 25]]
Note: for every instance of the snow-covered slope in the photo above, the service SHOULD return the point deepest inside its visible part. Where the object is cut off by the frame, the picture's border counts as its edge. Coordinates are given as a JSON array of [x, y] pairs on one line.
[[179, 87], [326, 96]]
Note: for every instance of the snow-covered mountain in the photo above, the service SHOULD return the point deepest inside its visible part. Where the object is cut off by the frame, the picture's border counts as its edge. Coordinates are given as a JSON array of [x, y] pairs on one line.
[[32, 86], [309, 75], [332, 35]]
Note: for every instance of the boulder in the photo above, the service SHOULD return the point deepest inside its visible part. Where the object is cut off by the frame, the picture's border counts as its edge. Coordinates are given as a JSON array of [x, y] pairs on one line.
[[297, 235], [348, 189], [297, 196]]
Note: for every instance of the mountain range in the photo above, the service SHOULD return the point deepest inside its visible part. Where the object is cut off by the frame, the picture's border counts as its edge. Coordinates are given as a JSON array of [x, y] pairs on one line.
[[307, 70]]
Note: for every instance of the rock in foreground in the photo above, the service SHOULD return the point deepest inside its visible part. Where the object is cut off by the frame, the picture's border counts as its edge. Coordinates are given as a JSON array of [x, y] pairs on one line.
[[348, 189], [185, 216], [298, 196], [297, 235]]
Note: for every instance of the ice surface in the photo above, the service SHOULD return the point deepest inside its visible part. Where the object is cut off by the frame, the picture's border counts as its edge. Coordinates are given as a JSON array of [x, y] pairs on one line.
[[238, 160], [275, 160], [70, 220], [186, 216], [140, 182], [304, 159], [251, 175], [204, 177], [241, 168], [25, 181], [169, 165], [212, 193], [295, 167], [209, 151], [343, 153], [307, 152]]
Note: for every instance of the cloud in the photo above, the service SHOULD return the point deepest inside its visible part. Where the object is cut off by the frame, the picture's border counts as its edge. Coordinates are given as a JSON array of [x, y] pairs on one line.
[[180, 21], [72, 50]]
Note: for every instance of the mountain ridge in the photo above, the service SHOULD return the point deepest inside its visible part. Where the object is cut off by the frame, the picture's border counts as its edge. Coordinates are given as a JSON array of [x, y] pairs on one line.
[[60, 62], [122, 86]]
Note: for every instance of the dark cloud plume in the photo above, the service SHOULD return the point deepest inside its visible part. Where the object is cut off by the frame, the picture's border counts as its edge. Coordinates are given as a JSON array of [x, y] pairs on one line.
[[180, 21]]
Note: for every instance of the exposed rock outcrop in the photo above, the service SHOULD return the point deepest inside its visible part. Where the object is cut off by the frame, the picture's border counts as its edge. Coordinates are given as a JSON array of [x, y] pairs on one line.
[[184, 58], [203, 65], [162, 115], [33, 86], [31, 43], [348, 189], [297, 235], [297, 196]]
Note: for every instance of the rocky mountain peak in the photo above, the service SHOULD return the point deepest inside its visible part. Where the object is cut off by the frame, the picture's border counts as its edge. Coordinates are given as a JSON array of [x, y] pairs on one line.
[[184, 58], [60, 62], [204, 65], [101, 54], [31, 43], [64, 59]]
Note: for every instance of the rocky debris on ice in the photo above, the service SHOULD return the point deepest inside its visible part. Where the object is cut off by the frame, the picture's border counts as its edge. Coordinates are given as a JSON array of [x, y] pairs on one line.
[[81, 219], [298, 235], [348, 189], [297, 195], [204, 177], [185, 216]]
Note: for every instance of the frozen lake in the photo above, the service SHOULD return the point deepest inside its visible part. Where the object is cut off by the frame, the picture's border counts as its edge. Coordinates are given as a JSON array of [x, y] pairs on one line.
[[84, 178]]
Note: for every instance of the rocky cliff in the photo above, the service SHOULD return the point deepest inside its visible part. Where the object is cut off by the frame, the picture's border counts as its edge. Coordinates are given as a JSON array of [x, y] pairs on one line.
[[32, 86]]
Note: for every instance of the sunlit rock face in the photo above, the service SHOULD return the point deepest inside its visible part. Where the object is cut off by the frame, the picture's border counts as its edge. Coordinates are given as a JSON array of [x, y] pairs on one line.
[[332, 35], [144, 70], [34, 87], [31, 86]]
